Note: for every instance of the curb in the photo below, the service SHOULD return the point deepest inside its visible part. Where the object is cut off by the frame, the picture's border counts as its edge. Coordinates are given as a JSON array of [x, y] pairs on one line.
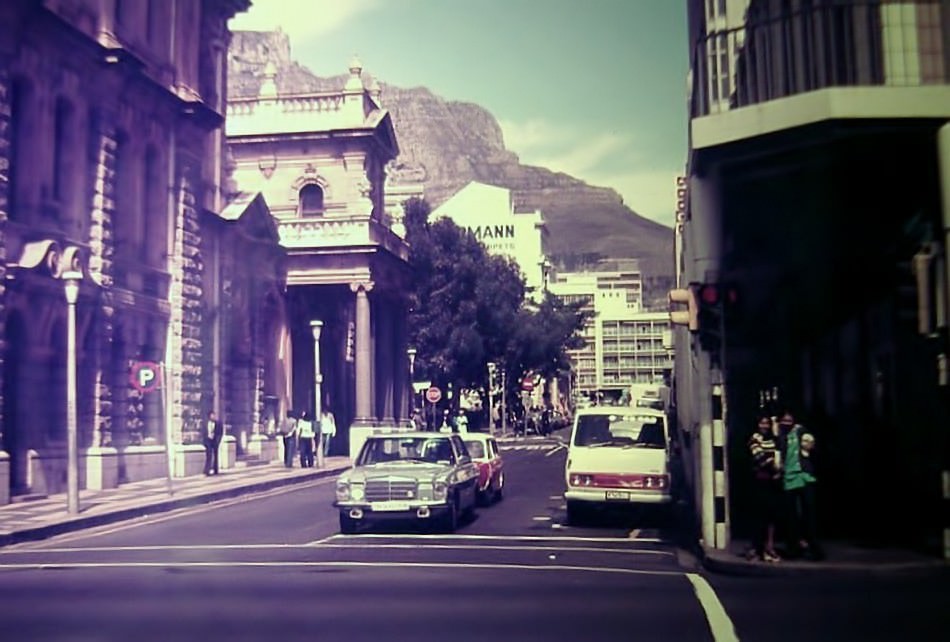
[[716, 563], [79, 523]]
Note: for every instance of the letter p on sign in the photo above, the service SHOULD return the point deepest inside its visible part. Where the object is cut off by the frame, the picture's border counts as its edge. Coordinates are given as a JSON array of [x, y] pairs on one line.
[[145, 376]]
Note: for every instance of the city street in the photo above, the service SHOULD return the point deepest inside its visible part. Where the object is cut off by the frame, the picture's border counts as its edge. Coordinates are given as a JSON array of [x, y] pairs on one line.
[[274, 566]]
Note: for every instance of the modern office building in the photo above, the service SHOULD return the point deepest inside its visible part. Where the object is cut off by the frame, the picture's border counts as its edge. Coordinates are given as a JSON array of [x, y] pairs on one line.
[[623, 344], [488, 212], [818, 195], [120, 257]]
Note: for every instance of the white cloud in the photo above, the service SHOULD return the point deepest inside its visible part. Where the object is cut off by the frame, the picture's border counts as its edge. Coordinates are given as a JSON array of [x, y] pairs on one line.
[[604, 160], [649, 193], [300, 19]]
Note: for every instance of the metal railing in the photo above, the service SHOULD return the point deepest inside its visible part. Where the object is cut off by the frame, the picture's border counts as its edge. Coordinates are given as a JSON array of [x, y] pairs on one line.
[[819, 44]]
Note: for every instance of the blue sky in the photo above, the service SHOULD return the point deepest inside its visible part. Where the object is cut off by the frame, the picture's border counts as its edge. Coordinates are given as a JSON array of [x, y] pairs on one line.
[[594, 88]]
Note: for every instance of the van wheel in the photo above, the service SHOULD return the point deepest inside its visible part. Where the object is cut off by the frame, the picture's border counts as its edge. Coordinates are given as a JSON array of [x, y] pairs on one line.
[[576, 513], [500, 488]]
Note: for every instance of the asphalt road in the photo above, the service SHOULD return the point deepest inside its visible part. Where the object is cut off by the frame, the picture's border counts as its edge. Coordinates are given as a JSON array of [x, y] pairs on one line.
[[274, 567]]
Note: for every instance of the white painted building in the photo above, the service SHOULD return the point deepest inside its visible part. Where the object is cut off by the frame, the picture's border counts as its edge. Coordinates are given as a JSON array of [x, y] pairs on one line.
[[488, 212], [623, 343]]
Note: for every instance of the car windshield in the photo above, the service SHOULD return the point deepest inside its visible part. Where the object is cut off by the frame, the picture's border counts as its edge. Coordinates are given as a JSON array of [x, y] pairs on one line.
[[378, 450], [622, 430], [476, 449]]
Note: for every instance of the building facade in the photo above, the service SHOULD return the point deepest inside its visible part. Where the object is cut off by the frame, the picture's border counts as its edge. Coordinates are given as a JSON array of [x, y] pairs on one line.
[[110, 172], [817, 194], [623, 343], [488, 212], [320, 161]]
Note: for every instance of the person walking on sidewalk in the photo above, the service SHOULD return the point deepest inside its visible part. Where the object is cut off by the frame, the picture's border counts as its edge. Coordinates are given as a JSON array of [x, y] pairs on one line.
[[327, 429], [799, 485], [213, 433], [305, 435], [766, 490], [289, 435]]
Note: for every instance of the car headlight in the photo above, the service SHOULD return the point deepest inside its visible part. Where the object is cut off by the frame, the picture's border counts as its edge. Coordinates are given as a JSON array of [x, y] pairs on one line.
[[440, 490], [357, 492], [425, 491], [342, 491]]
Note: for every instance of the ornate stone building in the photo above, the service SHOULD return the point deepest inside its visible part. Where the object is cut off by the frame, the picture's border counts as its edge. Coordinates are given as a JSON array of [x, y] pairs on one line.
[[111, 147], [319, 158]]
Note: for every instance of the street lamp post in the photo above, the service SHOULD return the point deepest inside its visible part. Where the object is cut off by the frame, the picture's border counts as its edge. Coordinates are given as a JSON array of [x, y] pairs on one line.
[[316, 326], [411, 353], [71, 280], [491, 397]]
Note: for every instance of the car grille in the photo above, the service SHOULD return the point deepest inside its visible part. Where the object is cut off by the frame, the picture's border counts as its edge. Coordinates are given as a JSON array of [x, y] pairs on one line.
[[384, 490]]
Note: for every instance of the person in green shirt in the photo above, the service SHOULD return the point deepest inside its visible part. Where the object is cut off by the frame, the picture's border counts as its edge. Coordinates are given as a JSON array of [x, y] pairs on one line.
[[799, 485]]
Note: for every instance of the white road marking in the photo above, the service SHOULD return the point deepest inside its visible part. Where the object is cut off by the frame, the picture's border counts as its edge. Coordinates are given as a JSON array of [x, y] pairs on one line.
[[556, 497], [336, 564], [496, 547], [542, 518], [147, 520], [513, 538], [554, 450], [720, 624], [634, 534]]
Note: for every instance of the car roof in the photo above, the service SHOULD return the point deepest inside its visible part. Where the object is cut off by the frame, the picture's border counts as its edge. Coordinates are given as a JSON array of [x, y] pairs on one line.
[[402, 434], [480, 436], [620, 410]]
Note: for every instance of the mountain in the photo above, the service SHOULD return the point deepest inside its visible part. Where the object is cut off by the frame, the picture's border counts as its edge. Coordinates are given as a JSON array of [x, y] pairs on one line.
[[452, 143]]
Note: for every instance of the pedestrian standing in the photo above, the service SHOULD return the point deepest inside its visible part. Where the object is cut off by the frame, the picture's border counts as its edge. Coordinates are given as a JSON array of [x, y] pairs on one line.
[[461, 423], [289, 435], [327, 429], [799, 486], [305, 435], [766, 489], [213, 433]]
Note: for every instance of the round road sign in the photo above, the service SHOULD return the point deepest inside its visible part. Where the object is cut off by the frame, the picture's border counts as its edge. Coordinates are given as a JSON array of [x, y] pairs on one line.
[[145, 376], [433, 395]]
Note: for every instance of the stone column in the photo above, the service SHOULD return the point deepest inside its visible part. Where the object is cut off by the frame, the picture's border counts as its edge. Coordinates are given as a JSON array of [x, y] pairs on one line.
[[364, 364], [384, 363], [402, 387], [101, 249], [5, 162]]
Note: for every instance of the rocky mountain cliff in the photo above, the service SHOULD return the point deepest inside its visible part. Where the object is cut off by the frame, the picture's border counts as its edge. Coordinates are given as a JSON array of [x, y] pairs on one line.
[[452, 143]]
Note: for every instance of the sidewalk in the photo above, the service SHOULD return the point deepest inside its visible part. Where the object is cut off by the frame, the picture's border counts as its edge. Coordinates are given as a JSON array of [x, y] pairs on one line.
[[841, 558], [44, 517]]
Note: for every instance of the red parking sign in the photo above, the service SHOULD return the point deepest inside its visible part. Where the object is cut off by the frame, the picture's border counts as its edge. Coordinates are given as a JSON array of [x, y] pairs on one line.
[[145, 376], [433, 395]]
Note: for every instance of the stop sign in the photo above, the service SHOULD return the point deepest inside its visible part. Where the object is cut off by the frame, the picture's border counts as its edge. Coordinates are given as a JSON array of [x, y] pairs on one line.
[[433, 394], [527, 384]]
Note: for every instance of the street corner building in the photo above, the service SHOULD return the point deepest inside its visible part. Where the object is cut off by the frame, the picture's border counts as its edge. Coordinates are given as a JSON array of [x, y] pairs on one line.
[[812, 237], [111, 177]]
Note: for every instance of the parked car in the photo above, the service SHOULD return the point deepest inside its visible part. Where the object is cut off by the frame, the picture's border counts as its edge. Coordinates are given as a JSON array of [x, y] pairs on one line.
[[617, 456], [422, 476], [491, 467]]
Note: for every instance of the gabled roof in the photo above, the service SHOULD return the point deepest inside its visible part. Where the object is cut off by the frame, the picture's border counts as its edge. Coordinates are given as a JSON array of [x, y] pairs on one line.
[[250, 212]]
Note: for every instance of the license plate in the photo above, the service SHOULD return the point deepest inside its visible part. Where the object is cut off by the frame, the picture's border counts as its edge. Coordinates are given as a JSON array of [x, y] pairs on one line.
[[618, 495], [390, 506]]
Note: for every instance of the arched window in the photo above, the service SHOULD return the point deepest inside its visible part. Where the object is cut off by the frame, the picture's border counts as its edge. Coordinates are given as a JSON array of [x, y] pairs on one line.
[[20, 115], [311, 200]]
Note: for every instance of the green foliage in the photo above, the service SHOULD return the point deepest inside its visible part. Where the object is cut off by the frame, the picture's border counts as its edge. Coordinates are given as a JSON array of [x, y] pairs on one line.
[[467, 308]]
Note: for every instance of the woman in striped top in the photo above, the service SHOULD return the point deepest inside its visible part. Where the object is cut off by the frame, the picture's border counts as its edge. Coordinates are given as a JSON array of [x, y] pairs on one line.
[[766, 489]]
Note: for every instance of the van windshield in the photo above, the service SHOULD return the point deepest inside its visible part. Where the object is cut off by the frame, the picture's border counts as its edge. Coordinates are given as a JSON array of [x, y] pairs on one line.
[[620, 430]]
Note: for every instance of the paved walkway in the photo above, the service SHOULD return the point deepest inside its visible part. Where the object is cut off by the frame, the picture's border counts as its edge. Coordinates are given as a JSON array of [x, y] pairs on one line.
[[47, 516]]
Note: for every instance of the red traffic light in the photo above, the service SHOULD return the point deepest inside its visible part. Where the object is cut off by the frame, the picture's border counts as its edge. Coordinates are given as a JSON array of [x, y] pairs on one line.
[[709, 294]]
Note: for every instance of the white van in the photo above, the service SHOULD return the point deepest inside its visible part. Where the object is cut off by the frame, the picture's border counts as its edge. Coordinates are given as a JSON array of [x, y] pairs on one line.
[[617, 455]]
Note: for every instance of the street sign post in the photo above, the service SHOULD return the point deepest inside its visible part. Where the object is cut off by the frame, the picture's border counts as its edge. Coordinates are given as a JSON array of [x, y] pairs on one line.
[[433, 395]]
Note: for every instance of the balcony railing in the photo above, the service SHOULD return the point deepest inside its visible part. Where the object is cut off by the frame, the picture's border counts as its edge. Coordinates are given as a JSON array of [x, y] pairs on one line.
[[831, 43]]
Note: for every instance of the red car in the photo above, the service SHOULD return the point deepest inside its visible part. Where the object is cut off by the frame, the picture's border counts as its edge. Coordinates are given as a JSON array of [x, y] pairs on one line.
[[483, 449]]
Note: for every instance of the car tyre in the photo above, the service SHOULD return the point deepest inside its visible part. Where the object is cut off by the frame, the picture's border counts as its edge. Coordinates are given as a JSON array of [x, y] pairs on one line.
[[347, 524], [499, 488], [451, 519]]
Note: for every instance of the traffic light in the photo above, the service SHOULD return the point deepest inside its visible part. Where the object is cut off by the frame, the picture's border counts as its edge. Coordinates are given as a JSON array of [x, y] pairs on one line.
[[690, 316], [710, 298]]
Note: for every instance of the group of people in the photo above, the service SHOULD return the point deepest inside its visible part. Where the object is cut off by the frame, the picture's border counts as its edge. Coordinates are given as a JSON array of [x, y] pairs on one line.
[[301, 435], [783, 489]]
